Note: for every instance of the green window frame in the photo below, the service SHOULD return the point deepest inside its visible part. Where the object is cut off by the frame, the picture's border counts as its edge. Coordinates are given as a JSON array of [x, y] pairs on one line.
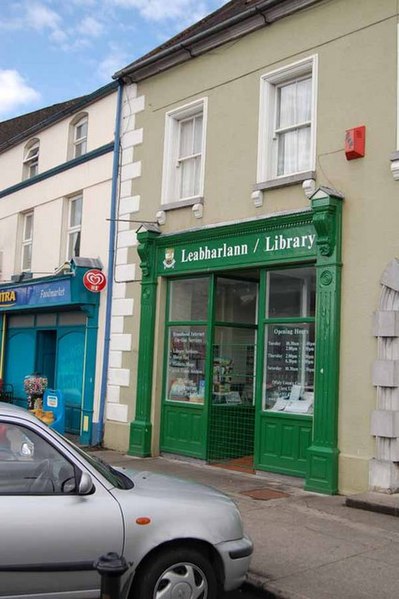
[[289, 340], [186, 340]]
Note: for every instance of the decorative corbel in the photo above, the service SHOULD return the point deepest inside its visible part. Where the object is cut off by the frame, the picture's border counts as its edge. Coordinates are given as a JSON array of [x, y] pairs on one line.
[[324, 205], [325, 229], [146, 236]]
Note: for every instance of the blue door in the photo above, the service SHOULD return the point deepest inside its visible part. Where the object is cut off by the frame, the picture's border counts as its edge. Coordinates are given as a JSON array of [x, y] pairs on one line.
[[69, 374], [46, 342], [20, 360]]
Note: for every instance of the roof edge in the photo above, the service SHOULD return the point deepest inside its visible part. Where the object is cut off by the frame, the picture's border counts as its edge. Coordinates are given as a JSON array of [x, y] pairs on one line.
[[102, 92], [264, 13]]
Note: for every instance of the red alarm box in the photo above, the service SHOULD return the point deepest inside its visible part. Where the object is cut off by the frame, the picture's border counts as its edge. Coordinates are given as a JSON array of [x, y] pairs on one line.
[[355, 142]]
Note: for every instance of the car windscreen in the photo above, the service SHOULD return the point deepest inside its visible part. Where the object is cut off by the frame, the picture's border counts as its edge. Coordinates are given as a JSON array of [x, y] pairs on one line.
[[115, 477]]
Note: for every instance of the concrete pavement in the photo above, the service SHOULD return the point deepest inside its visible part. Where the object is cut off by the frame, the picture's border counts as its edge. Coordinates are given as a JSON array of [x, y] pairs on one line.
[[307, 546]]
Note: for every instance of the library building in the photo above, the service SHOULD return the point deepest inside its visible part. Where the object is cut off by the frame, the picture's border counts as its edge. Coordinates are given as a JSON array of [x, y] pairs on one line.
[[249, 343]]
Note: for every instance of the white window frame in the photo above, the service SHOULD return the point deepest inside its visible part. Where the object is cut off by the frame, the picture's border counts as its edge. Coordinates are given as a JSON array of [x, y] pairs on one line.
[[80, 141], [71, 230], [267, 139], [170, 177], [31, 159], [26, 241]]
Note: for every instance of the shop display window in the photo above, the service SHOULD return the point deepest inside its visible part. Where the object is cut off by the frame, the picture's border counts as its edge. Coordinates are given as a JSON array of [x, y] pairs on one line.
[[236, 301], [233, 366], [288, 385], [189, 299], [186, 364], [291, 293]]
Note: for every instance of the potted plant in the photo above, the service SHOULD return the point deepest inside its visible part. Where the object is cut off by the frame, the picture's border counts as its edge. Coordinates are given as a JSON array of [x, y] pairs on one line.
[[35, 385]]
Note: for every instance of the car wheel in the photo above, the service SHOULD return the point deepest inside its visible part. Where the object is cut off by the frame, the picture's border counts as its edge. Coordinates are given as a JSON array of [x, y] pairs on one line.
[[177, 573]]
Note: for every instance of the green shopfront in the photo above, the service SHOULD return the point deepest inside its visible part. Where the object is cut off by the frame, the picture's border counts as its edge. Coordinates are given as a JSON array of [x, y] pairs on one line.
[[251, 344], [49, 326]]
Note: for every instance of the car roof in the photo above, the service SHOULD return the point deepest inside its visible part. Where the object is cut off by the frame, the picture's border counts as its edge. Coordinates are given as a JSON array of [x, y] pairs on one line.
[[8, 409]]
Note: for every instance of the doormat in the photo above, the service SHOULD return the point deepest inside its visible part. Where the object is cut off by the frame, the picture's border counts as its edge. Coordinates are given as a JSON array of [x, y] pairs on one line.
[[244, 464], [264, 494]]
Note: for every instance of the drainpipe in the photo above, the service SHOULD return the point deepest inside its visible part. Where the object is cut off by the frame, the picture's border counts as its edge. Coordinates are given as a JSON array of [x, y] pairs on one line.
[[98, 431]]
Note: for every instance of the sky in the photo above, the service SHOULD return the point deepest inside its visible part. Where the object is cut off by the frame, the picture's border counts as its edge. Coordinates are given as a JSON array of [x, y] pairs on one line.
[[55, 50]]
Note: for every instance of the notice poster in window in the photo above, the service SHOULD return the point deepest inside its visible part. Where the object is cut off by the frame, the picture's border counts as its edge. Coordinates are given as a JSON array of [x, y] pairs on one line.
[[186, 364], [289, 368]]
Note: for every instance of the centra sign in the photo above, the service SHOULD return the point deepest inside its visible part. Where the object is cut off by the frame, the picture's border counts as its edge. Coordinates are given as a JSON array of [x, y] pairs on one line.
[[8, 298]]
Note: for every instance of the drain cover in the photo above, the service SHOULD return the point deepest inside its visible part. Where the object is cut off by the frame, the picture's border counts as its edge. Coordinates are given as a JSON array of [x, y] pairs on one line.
[[265, 494]]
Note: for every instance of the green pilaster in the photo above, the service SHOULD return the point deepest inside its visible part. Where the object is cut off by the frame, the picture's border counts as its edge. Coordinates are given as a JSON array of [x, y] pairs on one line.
[[322, 459], [141, 428]]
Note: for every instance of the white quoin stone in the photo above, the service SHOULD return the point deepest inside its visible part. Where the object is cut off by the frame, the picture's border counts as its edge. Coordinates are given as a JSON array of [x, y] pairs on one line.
[[125, 272], [386, 323], [117, 411], [113, 393], [383, 476], [385, 423], [119, 376], [385, 373], [121, 342]]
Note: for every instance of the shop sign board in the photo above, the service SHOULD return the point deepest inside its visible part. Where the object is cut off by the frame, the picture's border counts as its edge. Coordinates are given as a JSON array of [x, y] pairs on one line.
[[94, 280], [240, 250], [37, 294]]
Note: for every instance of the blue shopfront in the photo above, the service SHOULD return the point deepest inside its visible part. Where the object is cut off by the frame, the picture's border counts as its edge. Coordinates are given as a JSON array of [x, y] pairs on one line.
[[49, 326]]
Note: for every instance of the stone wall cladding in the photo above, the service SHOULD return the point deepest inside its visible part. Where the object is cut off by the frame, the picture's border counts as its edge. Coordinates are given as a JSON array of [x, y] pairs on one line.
[[384, 467]]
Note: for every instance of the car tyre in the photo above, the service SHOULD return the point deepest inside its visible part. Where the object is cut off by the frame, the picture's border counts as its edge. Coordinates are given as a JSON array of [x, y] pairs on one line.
[[177, 572]]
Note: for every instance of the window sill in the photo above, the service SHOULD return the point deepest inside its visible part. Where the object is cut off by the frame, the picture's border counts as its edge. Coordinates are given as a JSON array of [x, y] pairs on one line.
[[182, 203], [284, 181]]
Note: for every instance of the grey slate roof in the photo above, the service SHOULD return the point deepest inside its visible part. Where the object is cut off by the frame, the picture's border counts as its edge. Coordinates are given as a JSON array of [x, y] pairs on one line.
[[212, 28], [22, 127], [19, 124]]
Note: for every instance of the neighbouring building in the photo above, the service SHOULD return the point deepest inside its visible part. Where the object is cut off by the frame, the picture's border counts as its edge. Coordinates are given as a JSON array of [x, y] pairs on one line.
[[56, 167], [243, 323]]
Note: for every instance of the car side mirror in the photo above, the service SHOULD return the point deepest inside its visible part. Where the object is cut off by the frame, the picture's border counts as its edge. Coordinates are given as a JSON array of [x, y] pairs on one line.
[[85, 484]]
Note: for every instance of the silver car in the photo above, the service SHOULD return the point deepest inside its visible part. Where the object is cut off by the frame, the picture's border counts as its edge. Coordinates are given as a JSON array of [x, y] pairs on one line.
[[61, 509]]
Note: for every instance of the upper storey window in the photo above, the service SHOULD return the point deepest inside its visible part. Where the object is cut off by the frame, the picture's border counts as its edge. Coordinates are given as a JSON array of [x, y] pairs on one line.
[[184, 153], [74, 226], [80, 137], [27, 241], [293, 126], [77, 136], [31, 159], [288, 121]]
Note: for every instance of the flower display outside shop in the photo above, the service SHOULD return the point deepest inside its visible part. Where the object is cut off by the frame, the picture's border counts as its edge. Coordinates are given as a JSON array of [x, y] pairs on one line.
[[35, 386]]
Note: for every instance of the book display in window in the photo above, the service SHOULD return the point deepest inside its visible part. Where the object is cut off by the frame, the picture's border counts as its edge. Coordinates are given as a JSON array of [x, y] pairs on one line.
[[186, 364]]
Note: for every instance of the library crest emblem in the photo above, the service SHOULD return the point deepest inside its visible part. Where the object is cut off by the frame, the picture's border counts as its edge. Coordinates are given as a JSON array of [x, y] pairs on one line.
[[169, 261]]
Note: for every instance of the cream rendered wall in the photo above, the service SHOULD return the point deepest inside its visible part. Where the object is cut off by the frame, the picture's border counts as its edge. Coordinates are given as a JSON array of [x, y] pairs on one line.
[[48, 198], [8, 239], [356, 44], [54, 141], [47, 255]]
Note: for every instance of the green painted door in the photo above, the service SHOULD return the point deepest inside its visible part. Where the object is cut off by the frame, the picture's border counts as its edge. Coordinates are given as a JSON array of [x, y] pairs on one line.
[[69, 374], [285, 388], [232, 409], [208, 395], [184, 406]]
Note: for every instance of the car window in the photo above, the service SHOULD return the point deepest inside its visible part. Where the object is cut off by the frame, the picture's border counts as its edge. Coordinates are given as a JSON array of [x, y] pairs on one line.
[[115, 477], [29, 464]]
